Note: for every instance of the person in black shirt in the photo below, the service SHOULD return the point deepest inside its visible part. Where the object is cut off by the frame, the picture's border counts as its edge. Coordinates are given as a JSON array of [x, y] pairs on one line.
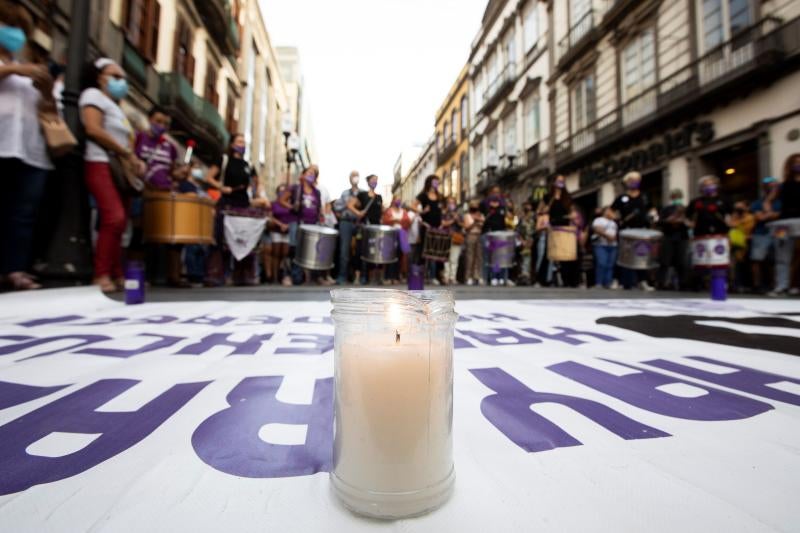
[[632, 207], [708, 213], [494, 209], [367, 206], [558, 207], [787, 248], [675, 244], [428, 205]]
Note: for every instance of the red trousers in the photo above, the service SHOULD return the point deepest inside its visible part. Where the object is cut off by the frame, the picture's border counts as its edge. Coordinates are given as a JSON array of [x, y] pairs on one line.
[[112, 209]]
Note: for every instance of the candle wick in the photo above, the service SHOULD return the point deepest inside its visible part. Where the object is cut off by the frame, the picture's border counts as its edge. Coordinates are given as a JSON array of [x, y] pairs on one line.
[[396, 337]]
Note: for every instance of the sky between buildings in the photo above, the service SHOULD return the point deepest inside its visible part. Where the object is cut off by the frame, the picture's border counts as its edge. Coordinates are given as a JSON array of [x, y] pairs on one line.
[[375, 73]]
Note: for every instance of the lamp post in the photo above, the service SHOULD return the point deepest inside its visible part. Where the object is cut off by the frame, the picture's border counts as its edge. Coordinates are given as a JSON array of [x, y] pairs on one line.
[[68, 253], [287, 126]]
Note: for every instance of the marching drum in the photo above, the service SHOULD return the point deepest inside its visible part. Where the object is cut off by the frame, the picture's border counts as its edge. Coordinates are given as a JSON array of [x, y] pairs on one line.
[[316, 246], [501, 246], [437, 245], [562, 243], [639, 249], [788, 227], [243, 227], [379, 244], [171, 218], [711, 251]]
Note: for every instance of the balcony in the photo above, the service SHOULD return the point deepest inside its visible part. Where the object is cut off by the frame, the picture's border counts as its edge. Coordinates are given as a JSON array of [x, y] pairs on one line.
[[582, 36], [193, 116], [752, 58], [499, 87], [217, 19], [446, 152]]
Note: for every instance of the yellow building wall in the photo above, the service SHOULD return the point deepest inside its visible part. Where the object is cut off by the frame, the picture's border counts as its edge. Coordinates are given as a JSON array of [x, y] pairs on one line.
[[452, 183]]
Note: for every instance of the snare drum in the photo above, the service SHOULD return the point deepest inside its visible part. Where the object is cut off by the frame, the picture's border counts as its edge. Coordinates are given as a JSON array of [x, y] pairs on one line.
[[379, 244], [788, 227], [562, 243], [437, 245], [711, 251], [639, 249], [500, 246], [316, 246], [171, 218]]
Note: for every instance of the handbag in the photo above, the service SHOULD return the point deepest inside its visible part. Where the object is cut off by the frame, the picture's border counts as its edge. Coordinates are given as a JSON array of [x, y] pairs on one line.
[[124, 177], [60, 140]]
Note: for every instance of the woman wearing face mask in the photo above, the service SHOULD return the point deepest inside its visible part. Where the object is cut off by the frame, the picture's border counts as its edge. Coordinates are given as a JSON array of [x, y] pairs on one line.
[[398, 217], [347, 225], [232, 175], [558, 207], [787, 248], [428, 205], [24, 161], [305, 203], [109, 135], [279, 235], [632, 207], [473, 226], [453, 222], [494, 209], [368, 208]]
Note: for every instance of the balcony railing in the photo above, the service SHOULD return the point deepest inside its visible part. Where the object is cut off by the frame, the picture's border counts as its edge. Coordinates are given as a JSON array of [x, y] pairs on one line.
[[726, 68], [197, 114], [447, 151], [580, 34], [134, 63], [216, 15], [500, 86]]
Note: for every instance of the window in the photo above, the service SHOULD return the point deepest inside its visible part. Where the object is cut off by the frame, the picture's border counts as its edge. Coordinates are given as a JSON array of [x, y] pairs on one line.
[[141, 22], [262, 133], [464, 112], [531, 113], [479, 91], [492, 155], [446, 136], [183, 60], [453, 122], [530, 25], [230, 112], [453, 182], [510, 50], [211, 85], [510, 134], [580, 20], [463, 171], [639, 66], [722, 19], [583, 103], [249, 98], [492, 68], [477, 156]]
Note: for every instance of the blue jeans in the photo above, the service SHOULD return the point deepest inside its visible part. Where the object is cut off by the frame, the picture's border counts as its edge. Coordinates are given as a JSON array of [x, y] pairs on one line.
[[194, 256], [346, 230], [605, 257], [541, 257], [22, 194]]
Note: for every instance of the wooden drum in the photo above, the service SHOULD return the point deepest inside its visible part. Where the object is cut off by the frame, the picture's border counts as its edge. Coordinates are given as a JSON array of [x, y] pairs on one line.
[[171, 218]]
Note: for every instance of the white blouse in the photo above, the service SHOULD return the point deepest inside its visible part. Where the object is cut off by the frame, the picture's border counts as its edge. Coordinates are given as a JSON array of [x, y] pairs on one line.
[[22, 136]]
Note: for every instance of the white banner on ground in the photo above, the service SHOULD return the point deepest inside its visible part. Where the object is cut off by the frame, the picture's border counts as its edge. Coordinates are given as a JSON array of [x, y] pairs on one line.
[[648, 415]]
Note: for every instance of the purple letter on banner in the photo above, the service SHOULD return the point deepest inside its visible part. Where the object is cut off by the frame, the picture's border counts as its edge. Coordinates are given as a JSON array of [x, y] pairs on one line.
[[205, 320], [76, 413], [744, 379], [163, 341], [14, 393], [510, 338], [47, 321], [229, 441], [641, 390], [509, 410], [248, 347], [320, 344], [27, 342], [568, 336]]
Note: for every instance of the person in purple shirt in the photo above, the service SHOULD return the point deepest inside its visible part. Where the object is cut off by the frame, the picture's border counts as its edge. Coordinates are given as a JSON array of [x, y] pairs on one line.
[[304, 201], [158, 153], [279, 233]]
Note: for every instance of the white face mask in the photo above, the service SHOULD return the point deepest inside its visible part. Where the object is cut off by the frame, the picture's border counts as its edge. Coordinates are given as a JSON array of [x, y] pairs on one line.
[[354, 181], [197, 173]]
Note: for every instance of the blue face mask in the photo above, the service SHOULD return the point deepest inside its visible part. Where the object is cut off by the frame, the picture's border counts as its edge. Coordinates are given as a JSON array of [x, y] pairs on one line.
[[11, 38], [118, 89]]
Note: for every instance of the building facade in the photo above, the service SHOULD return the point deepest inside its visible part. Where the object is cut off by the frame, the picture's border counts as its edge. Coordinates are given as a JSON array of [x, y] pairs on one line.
[[452, 138], [509, 67], [676, 90], [423, 166]]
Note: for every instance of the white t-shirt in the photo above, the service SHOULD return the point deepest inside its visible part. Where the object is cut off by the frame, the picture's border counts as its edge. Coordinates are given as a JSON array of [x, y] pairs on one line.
[[21, 136], [413, 231], [607, 226], [114, 122]]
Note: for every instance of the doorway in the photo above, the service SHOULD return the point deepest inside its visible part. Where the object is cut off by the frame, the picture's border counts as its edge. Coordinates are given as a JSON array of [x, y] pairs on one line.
[[737, 169]]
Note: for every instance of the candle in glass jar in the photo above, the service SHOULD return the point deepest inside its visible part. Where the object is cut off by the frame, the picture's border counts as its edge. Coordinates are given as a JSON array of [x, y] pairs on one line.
[[393, 443]]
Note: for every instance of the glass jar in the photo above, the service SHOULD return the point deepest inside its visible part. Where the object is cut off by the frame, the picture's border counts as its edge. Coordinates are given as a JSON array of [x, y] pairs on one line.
[[393, 375]]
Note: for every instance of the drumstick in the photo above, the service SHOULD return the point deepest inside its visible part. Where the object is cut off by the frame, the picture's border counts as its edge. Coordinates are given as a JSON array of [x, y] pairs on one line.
[[190, 144]]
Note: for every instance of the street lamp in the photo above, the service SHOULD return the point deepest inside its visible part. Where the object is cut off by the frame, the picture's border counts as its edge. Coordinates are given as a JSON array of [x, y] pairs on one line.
[[287, 125], [292, 147]]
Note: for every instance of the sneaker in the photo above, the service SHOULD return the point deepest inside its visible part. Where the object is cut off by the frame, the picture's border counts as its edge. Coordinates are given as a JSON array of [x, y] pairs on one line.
[[646, 287], [537, 285], [794, 292], [511, 283], [470, 282], [777, 293], [614, 285], [436, 282], [481, 282], [287, 281], [495, 282]]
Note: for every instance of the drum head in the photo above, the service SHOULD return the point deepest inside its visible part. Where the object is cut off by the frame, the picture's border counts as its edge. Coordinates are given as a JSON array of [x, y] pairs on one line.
[[641, 233], [315, 228]]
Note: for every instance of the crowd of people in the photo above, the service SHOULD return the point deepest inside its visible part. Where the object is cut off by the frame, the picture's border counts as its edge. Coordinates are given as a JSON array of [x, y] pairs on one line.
[[546, 241]]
